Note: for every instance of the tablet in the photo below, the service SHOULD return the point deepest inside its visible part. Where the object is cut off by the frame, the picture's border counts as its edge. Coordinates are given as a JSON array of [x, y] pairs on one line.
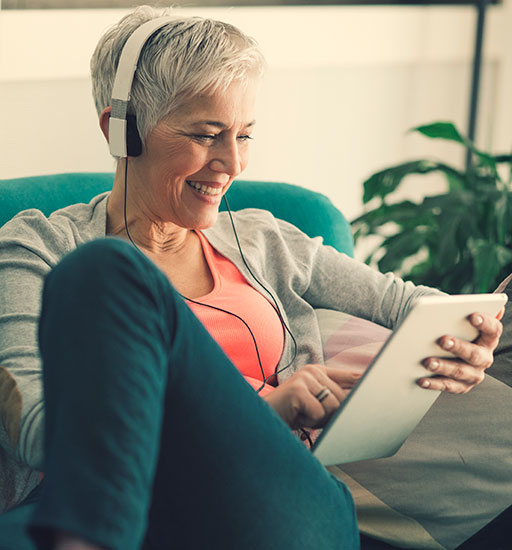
[[386, 404]]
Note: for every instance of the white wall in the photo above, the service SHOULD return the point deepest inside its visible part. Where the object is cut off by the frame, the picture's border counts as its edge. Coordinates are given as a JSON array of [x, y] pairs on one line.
[[344, 85]]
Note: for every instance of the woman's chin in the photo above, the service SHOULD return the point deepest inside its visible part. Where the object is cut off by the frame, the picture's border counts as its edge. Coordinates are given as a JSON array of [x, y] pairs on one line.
[[206, 221]]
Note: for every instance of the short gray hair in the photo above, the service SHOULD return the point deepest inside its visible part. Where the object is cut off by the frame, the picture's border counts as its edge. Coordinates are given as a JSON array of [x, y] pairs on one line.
[[186, 57]]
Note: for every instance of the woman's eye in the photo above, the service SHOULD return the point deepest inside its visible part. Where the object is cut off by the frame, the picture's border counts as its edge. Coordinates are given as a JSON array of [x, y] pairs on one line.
[[204, 137], [210, 138]]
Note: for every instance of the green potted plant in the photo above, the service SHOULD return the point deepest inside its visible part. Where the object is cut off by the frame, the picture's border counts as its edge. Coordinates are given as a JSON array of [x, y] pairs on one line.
[[459, 241]]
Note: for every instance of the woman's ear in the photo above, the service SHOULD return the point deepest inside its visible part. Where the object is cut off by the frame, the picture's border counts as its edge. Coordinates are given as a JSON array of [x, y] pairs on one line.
[[104, 121]]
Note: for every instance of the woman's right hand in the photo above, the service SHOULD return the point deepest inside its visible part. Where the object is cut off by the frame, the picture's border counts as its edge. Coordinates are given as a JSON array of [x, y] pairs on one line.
[[296, 399]]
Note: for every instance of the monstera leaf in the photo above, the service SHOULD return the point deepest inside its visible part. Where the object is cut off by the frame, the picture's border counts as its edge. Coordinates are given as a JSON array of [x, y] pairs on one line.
[[459, 241]]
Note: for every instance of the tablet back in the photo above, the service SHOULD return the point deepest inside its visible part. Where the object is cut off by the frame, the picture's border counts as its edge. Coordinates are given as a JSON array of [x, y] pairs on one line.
[[387, 404]]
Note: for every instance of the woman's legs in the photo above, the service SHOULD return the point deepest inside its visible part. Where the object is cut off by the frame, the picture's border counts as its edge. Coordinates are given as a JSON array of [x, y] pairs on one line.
[[152, 435], [13, 523]]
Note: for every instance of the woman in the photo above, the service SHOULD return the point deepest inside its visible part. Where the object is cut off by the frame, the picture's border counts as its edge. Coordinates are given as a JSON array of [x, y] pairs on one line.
[[152, 438]]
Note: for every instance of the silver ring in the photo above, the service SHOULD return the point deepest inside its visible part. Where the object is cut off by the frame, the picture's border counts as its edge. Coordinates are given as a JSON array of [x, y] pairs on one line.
[[323, 393]]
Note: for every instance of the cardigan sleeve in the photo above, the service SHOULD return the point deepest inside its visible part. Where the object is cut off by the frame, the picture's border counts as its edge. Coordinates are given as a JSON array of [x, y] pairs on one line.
[[342, 283], [25, 259], [330, 279], [31, 244]]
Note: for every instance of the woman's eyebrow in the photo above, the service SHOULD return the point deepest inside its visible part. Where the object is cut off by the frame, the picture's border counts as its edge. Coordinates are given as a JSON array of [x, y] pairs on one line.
[[221, 125]]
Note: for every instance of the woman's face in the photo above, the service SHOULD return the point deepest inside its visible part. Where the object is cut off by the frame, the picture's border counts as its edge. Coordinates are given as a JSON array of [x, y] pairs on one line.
[[192, 156]]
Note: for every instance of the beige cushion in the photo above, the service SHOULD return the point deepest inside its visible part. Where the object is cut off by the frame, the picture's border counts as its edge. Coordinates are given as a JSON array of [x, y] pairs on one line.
[[454, 473]]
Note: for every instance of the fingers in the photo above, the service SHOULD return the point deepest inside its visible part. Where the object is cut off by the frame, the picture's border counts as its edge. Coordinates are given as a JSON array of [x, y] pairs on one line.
[[448, 385], [472, 353], [298, 400], [310, 397], [345, 378], [317, 379], [490, 328], [451, 376], [472, 358], [478, 353], [312, 381]]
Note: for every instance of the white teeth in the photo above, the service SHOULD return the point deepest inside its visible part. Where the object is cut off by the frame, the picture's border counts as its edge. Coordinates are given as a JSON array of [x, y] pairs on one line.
[[205, 189]]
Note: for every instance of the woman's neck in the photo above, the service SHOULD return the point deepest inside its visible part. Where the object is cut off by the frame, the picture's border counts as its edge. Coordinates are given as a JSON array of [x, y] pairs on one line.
[[146, 231]]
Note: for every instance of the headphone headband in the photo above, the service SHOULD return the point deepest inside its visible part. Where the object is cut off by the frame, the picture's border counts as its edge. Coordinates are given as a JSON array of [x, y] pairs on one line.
[[123, 83]]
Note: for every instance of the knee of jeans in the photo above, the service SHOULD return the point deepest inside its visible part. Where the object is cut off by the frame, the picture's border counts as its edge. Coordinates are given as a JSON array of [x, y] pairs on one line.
[[107, 251], [107, 281], [101, 259], [110, 267]]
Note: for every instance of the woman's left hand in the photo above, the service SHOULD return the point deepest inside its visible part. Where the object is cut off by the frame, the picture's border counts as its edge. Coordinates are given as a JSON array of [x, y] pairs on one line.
[[467, 369]]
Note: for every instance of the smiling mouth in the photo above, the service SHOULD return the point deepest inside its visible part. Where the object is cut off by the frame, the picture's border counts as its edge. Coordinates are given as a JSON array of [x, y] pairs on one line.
[[205, 189]]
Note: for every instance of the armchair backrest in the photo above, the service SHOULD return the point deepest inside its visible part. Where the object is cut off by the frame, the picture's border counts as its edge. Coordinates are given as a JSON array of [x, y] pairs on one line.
[[310, 211]]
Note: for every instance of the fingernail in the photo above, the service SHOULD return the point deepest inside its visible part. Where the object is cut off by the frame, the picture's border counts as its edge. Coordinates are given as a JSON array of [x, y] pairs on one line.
[[477, 320], [433, 365], [448, 344], [425, 384]]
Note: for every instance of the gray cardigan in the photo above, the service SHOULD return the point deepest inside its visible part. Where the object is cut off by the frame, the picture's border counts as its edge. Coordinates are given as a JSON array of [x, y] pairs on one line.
[[301, 273]]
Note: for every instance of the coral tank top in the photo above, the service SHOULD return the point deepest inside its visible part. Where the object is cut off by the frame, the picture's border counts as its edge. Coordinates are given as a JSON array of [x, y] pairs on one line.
[[232, 293]]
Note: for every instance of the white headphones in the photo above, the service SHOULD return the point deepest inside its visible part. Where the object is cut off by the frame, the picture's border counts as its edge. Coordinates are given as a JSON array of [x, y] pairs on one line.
[[121, 144]]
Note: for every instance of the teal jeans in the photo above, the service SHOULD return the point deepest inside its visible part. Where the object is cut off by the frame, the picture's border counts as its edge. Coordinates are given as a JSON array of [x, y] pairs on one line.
[[153, 439]]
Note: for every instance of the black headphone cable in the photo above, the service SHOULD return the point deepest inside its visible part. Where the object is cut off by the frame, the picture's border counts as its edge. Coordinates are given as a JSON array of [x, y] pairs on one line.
[[264, 378]]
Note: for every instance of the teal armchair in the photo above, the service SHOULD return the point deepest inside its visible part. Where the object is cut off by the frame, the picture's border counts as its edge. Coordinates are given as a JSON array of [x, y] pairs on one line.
[[310, 211]]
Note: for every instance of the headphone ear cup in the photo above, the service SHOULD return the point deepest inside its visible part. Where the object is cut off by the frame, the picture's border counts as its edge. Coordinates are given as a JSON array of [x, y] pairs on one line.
[[133, 141]]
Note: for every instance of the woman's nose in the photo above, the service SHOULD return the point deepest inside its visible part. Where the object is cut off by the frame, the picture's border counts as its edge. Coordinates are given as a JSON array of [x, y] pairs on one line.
[[227, 160]]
